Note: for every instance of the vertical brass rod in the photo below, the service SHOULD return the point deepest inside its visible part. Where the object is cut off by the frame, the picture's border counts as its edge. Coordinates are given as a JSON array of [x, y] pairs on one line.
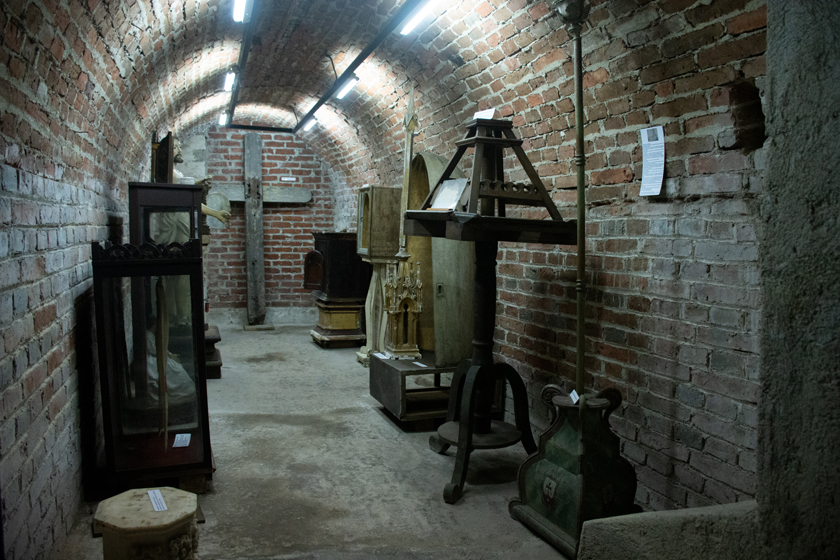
[[580, 159]]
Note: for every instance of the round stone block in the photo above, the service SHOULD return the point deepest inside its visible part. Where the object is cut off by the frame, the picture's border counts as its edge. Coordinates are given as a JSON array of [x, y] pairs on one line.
[[133, 530]]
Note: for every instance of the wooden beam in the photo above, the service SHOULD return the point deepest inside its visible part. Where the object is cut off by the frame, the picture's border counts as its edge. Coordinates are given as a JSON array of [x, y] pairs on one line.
[[254, 257], [235, 192]]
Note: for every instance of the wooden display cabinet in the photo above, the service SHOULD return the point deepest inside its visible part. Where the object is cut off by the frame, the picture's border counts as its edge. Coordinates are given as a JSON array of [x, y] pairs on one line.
[[149, 322]]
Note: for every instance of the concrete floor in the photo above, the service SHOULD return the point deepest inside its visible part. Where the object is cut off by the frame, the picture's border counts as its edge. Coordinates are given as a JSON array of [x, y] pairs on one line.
[[309, 466]]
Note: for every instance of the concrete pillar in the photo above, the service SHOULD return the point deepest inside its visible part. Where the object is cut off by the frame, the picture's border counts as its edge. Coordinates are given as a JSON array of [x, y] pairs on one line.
[[799, 256]]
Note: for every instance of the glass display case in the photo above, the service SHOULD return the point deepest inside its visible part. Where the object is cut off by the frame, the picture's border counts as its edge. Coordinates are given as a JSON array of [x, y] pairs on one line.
[[149, 319], [163, 213]]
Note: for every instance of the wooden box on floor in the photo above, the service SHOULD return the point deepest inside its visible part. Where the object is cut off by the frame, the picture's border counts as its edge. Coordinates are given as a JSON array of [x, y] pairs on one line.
[[391, 385]]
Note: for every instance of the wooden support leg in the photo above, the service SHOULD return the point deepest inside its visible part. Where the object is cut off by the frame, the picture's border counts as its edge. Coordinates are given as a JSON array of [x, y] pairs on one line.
[[520, 406], [452, 492], [455, 390]]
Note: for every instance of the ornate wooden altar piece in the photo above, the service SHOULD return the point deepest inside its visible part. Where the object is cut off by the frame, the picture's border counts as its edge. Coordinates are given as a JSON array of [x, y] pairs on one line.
[[479, 215]]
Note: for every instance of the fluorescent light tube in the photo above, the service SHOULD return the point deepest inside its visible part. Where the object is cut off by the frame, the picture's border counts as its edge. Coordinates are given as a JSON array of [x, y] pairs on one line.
[[223, 119], [239, 10], [351, 83], [229, 79], [310, 124], [420, 16]]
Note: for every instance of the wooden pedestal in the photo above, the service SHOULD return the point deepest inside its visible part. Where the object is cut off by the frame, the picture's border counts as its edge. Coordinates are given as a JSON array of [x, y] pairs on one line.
[[339, 324]]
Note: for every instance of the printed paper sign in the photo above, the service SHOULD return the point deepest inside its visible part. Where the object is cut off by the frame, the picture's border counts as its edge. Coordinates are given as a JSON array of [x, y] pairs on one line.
[[181, 440], [574, 396], [448, 194], [419, 364], [380, 355], [486, 114], [653, 160], [157, 500]]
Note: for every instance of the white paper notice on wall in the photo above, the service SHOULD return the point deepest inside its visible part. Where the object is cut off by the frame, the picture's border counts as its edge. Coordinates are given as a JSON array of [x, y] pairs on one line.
[[653, 160], [181, 440], [157, 500], [486, 114]]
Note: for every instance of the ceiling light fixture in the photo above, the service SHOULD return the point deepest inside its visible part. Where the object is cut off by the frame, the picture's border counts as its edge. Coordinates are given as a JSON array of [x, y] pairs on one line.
[[229, 79], [310, 124], [223, 119], [241, 8], [351, 83], [418, 17]]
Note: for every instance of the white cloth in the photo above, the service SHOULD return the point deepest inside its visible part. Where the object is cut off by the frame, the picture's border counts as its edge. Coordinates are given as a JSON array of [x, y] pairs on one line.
[[178, 383]]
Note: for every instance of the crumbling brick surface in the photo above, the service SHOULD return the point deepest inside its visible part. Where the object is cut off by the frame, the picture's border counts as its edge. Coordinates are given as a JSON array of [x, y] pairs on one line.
[[674, 302]]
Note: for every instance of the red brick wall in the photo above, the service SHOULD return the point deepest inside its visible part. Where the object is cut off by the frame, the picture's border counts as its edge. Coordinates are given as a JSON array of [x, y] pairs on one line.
[[287, 227], [675, 303], [674, 299]]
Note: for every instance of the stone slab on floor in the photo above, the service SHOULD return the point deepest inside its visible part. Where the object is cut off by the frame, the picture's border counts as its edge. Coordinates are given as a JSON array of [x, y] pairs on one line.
[[715, 533]]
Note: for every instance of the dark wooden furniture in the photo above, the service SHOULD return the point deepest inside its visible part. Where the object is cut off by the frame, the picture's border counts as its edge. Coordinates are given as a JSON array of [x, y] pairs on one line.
[[140, 427], [163, 153], [340, 280], [147, 204], [378, 223], [212, 356], [469, 422], [390, 384], [578, 473], [148, 201]]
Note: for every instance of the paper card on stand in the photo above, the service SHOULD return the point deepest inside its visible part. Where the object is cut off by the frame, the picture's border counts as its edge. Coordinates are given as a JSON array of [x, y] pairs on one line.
[[653, 160], [157, 500], [574, 396], [486, 114], [448, 194], [181, 440], [419, 364]]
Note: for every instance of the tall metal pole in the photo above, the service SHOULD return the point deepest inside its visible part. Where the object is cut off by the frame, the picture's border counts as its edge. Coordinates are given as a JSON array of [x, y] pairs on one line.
[[580, 159], [574, 13]]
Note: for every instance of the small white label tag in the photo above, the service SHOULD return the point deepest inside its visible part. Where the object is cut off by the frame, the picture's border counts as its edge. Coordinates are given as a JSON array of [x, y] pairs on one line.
[[486, 114], [574, 396], [157, 500], [419, 364], [181, 440], [380, 355]]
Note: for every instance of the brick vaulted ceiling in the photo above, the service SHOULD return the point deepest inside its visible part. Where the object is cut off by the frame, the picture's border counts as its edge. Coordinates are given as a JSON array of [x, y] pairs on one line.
[[160, 65], [137, 66]]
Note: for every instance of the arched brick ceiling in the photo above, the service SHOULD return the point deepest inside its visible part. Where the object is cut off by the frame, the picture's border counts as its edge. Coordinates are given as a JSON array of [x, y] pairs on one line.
[[294, 41], [160, 65], [169, 58]]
